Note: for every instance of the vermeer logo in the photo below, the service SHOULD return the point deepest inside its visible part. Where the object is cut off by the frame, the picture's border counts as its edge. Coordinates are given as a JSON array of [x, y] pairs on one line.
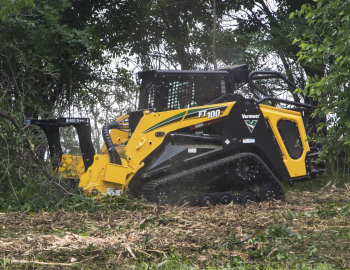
[[251, 124], [250, 116]]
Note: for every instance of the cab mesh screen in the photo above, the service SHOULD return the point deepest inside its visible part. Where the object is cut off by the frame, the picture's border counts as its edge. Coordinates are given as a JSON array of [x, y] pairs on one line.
[[150, 90], [290, 135], [178, 92], [191, 92]]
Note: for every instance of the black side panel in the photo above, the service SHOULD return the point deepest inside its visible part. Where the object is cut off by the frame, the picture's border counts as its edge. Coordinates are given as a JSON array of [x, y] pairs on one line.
[[245, 128], [134, 119]]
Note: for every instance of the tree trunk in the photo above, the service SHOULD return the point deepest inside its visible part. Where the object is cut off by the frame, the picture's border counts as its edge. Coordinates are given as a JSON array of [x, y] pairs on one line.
[[214, 33]]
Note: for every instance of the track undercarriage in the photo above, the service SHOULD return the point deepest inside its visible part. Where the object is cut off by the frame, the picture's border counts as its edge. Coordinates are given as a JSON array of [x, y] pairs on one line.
[[238, 178]]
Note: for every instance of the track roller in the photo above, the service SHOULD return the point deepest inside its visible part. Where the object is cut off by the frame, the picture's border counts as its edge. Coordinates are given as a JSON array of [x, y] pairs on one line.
[[207, 199], [254, 190], [183, 199], [224, 198], [247, 196]]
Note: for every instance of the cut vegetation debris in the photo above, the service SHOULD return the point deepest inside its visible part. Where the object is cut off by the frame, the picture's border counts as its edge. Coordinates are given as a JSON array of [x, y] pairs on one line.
[[308, 230]]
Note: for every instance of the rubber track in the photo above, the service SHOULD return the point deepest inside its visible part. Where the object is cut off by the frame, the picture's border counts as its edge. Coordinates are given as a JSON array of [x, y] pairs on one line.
[[149, 188]]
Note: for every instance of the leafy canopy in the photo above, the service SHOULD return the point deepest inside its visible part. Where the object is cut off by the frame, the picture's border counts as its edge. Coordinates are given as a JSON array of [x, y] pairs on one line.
[[325, 47]]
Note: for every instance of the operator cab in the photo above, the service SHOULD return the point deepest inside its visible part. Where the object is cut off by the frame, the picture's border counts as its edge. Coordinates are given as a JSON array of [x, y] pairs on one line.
[[165, 90]]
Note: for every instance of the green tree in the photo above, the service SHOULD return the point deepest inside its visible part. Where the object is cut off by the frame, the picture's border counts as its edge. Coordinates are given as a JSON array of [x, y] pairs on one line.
[[172, 34], [325, 47], [266, 27], [53, 56]]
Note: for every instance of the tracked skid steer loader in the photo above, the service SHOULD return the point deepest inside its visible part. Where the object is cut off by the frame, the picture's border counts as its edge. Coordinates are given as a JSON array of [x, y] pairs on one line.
[[196, 139]]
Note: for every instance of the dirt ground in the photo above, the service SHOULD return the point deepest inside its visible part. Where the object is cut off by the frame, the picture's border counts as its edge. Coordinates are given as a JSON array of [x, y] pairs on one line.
[[153, 232]]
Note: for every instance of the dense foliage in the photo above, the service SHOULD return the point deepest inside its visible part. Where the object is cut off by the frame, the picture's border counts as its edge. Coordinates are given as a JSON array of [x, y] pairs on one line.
[[52, 59], [325, 47]]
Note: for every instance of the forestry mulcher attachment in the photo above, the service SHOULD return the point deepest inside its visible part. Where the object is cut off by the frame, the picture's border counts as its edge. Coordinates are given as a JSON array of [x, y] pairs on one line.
[[195, 139]]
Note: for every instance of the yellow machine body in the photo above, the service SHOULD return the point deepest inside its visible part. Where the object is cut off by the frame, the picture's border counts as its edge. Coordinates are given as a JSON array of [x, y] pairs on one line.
[[106, 177], [197, 137]]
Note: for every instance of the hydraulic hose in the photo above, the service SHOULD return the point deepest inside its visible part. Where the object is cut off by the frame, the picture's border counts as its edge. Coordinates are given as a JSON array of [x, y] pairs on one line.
[[115, 159]]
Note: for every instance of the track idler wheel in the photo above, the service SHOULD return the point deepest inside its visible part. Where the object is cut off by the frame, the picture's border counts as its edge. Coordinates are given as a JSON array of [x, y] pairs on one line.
[[224, 198], [267, 192], [247, 196], [162, 197], [207, 199]]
